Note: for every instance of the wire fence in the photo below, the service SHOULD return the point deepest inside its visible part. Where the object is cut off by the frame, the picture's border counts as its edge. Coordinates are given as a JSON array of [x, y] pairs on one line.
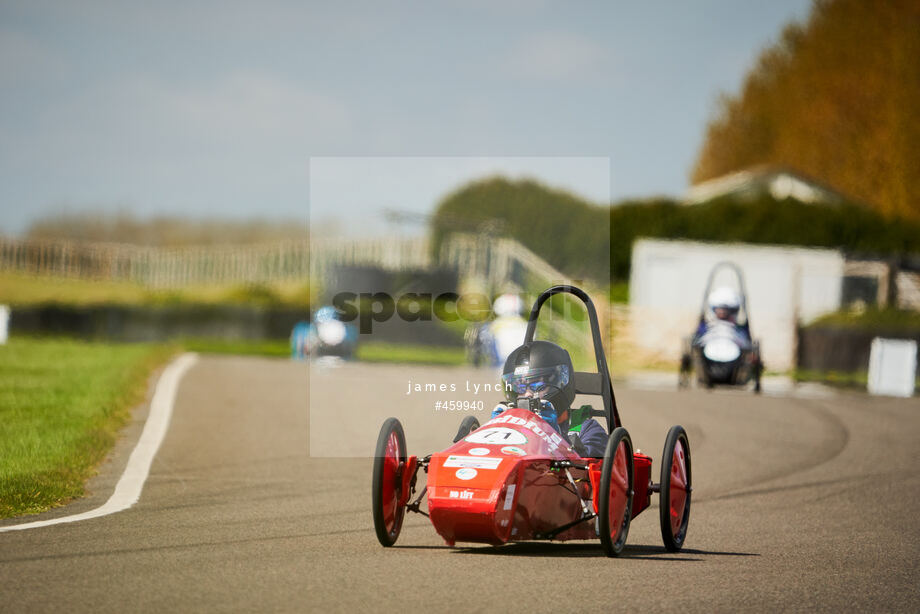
[[158, 267], [496, 261]]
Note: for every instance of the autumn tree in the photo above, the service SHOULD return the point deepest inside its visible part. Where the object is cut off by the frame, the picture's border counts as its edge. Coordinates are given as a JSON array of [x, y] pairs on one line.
[[837, 99]]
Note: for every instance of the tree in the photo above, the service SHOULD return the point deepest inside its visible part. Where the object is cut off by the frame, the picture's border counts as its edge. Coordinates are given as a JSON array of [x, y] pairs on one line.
[[568, 232], [836, 99]]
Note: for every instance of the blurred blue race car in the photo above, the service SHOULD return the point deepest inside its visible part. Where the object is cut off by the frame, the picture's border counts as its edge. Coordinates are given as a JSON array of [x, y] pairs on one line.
[[327, 335]]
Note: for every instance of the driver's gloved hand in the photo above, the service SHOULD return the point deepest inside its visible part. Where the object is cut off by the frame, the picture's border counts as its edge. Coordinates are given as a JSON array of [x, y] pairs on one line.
[[499, 409], [548, 413]]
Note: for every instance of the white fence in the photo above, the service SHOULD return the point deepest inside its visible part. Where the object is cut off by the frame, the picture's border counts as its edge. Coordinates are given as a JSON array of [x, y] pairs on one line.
[[497, 261], [159, 267], [494, 260]]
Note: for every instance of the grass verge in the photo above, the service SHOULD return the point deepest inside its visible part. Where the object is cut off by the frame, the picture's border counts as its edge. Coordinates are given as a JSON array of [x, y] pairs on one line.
[[872, 319], [417, 354], [855, 379], [62, 403], [21, 289], [271, 347], [371, 351]]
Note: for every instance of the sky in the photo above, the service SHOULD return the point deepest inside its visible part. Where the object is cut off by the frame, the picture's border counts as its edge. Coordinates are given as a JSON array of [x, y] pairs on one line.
[[215, 109]]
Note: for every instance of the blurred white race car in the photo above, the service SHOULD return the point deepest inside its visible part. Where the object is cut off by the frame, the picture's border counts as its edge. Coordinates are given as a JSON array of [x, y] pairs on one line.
[[490, 343], [721, 350]]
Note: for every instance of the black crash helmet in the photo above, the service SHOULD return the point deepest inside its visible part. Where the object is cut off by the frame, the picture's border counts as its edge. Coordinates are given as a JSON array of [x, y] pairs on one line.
[[542, 370]]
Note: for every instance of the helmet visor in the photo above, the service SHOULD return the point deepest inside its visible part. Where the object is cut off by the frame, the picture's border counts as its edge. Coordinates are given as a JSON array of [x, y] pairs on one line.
[[537, 383]]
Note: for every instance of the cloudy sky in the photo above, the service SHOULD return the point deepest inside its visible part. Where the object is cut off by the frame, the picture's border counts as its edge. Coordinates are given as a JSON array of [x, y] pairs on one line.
[[216, 108]]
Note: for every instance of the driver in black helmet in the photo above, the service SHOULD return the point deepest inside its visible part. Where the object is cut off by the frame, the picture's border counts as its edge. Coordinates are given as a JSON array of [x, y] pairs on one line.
[[539, 376]]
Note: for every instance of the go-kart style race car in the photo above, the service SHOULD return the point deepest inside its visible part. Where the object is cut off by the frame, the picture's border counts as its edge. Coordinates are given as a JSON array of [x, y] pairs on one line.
[[721, 350], [517, 478], [489, 343], [327, 335]]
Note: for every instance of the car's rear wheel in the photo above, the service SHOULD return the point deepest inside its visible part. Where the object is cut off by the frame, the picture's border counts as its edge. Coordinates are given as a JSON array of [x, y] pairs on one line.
[[676, 488], [614, 507], [389, 464]]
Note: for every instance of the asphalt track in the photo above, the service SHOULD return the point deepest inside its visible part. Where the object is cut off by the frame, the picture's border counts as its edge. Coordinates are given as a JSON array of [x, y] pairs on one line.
[[799, 504]]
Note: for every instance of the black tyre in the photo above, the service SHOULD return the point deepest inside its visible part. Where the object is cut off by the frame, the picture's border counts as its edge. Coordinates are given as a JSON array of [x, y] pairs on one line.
[[758, 367], [683, 375], [676, 489], [389, 464], [469, 424], [706, 379], [615, 496]]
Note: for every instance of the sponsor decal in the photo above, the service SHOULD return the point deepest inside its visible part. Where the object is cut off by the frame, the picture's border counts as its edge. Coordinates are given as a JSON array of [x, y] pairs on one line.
[[461, 494], [516, 451], [473, 462], [466, 473], [509, 497], [498, 435], [552, 439], [479, 451]]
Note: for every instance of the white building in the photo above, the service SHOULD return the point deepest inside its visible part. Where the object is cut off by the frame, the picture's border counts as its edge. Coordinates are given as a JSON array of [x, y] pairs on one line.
[[785, 286]]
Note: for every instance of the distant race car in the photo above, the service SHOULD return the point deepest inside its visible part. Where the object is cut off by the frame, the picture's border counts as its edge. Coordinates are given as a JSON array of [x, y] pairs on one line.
[[517, 478], [721, 350], [327, 335], [489, 343]]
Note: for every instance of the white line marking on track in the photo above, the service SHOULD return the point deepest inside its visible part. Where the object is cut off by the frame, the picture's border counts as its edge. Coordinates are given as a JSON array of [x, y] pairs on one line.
[[129, 487]]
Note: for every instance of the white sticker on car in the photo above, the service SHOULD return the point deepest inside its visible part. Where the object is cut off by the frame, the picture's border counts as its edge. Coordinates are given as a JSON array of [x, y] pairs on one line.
[[466, 473], [479, 451], [509, 497], [474, 462]]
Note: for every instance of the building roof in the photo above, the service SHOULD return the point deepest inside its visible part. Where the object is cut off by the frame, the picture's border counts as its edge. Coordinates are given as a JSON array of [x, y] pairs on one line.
[[780, 183]]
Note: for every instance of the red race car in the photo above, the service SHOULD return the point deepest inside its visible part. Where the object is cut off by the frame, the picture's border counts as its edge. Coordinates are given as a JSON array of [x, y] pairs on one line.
[[517, 478]]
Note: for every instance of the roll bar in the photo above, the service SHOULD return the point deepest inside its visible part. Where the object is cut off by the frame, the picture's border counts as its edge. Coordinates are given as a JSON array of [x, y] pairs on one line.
[[739, 276], [585, 383]]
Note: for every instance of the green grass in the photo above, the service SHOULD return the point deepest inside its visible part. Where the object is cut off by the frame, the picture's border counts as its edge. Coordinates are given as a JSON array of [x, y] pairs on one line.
[[20, 289], [857, 379], [391, 352], [61, 406], [270, 347], [887, 319], [619, 292], [372, 351]]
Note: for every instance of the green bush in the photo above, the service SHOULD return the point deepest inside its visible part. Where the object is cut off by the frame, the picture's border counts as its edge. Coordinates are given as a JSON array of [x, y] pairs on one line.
[[572, 234], [872, 319], [259, 294], [568, 232]]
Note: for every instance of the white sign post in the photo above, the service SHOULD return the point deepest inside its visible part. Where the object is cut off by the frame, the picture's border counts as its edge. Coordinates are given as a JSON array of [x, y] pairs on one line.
[[892, 367], [4, 323]]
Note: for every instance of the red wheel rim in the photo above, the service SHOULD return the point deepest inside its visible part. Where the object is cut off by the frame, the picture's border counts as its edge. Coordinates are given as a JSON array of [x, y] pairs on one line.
[[389, 491], [619, 484], [678, 494]]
